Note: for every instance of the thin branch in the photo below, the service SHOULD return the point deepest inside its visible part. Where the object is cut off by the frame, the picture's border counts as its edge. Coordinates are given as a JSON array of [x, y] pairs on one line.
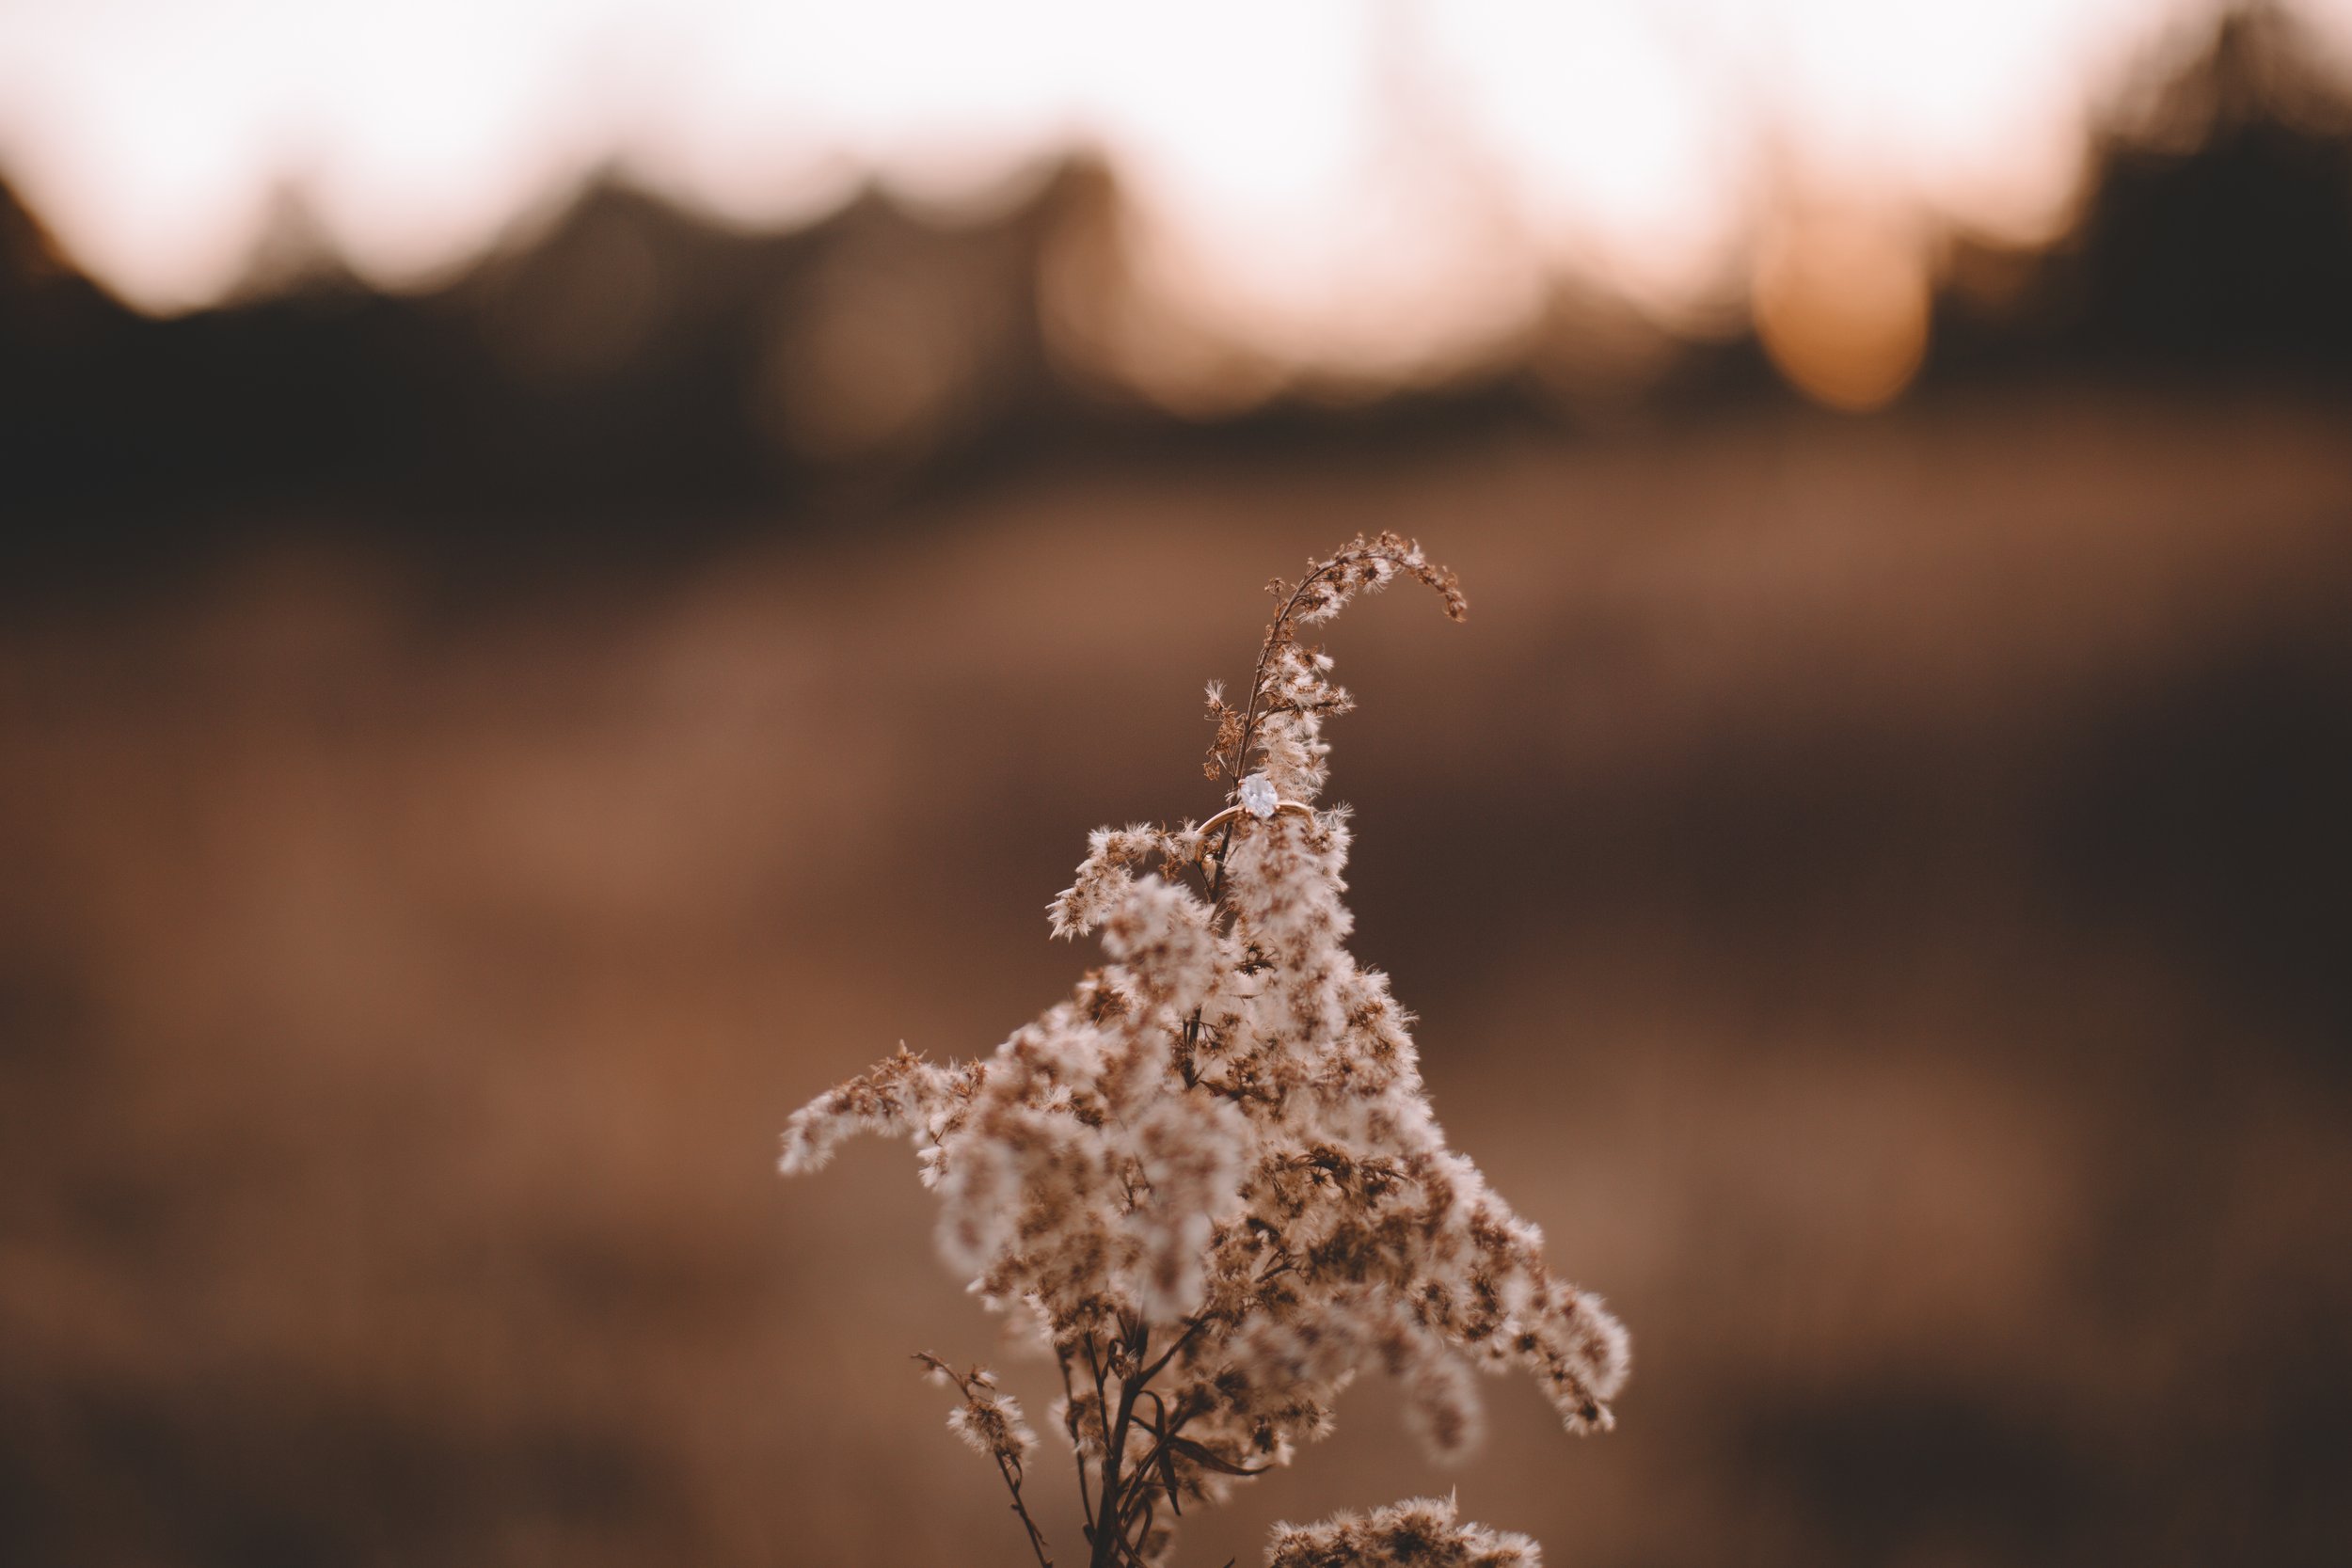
[[1069, 1423], [1101, 1397], [1113, 1515], [1154, 1370], [1274, 638], [1007, 1463], [1135, 1548], [1257, 677], [1012, 1472]]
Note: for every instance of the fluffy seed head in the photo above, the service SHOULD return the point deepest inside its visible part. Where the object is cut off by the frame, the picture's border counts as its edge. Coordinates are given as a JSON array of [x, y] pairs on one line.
[[1213, 1168]]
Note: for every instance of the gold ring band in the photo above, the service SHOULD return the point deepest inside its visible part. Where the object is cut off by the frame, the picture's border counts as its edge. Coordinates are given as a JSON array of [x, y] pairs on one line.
[[1234, 813]]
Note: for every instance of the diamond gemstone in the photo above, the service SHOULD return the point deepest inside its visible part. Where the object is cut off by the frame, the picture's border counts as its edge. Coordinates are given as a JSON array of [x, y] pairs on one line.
[[1257, 796]]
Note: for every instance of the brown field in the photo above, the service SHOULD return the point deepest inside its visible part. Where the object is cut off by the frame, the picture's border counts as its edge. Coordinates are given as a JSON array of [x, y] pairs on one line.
[[1875, 892]]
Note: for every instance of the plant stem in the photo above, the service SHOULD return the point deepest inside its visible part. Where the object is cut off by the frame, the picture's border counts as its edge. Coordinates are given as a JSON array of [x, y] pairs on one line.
[[1110, 1538], [1069, 1421], [1011, 1473]]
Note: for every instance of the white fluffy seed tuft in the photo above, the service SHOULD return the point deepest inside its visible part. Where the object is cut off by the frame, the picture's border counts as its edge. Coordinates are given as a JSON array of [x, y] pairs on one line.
[[1211, 1181]]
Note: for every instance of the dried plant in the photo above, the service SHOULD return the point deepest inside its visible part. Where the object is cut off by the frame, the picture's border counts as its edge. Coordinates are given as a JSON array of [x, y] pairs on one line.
[[1210, 1184]]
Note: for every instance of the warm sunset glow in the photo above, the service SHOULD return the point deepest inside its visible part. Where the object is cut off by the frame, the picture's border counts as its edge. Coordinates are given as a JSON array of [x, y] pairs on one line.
[[1325, 184], [1841, 304]]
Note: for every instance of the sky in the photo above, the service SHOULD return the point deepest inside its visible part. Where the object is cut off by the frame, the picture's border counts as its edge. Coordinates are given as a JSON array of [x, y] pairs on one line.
[[1362, 184]]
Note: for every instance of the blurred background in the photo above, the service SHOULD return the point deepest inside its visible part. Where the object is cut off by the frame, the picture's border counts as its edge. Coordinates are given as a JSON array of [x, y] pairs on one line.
[[571, 574]]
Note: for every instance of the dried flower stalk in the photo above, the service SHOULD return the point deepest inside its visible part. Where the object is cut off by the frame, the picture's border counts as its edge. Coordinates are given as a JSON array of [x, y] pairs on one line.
[[1211, 1182]]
